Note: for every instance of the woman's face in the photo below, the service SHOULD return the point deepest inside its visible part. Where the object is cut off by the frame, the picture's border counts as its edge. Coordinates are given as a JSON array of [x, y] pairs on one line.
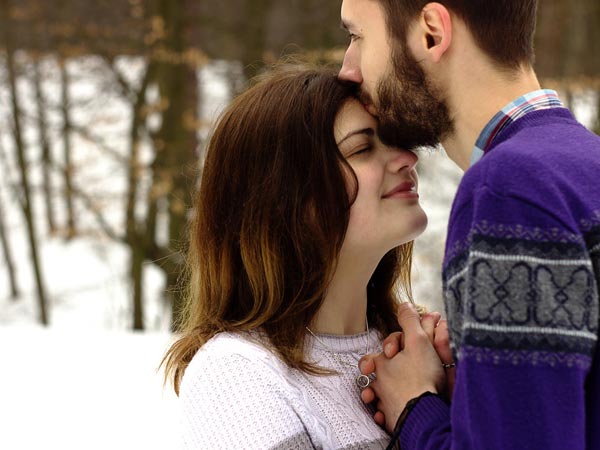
[[386, 212]]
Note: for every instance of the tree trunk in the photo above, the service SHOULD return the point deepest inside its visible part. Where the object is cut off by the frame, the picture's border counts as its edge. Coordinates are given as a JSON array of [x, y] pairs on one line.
[[137, 278], [136, 233], [23, 169], [176, 163], [8, 259], [68, 166], [182, 163], [42, 124]]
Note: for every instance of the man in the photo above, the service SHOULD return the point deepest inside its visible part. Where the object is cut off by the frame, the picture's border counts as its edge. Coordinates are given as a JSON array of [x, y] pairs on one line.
[[522, 263]]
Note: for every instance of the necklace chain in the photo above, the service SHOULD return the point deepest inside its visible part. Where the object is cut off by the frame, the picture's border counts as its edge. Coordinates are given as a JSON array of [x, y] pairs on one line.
[[359, 379]]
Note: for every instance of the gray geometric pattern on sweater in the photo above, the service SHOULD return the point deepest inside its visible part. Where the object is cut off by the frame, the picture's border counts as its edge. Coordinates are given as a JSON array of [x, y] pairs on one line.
[[524, 295]]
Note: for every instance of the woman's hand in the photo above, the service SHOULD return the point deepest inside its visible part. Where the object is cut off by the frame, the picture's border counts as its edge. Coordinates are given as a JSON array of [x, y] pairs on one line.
[[437, 332]]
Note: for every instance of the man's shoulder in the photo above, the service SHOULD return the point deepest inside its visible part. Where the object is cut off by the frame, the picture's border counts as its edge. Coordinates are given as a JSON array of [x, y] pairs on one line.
[[544, 140], [538, 156]]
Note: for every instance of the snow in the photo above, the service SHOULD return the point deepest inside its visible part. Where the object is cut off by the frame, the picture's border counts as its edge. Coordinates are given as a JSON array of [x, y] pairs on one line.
[[84, 382], [83, 390]]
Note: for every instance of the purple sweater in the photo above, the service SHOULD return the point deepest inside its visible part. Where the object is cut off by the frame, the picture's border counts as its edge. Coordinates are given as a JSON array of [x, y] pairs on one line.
[[521, 282]]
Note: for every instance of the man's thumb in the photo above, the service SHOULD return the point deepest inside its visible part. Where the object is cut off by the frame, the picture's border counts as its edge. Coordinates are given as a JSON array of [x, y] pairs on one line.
[[408, 318]]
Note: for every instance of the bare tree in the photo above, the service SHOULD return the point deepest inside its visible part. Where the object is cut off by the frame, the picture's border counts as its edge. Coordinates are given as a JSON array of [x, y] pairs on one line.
[[8, 258], [4, 231], [27, 205], [137, 237], [42, 125], [175, 164], [171, 69], [67, 150]]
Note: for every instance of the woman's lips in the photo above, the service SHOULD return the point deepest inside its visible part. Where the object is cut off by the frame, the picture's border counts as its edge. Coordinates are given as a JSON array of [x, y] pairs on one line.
[[406, 189]]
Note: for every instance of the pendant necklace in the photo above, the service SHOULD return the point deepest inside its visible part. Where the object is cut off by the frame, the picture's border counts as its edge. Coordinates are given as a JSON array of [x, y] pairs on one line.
[[362, 381]]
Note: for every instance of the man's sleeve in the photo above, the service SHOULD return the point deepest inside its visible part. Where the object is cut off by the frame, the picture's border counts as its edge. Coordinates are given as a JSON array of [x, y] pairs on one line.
[[522, 304]]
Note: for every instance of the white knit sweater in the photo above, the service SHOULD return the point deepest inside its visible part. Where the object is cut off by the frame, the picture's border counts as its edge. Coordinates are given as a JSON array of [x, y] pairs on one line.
[[236, 394]]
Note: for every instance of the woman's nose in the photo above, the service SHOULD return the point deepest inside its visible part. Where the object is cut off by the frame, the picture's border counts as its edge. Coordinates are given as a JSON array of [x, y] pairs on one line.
[[400, 159]]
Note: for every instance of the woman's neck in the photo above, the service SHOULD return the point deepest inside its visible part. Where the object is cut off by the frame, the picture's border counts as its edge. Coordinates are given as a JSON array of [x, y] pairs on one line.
[[344, 308]]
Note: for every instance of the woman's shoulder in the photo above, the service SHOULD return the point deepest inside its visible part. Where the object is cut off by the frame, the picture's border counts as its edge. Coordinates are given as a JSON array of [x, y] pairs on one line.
[[233, 355], [237, 345], [233, 386]]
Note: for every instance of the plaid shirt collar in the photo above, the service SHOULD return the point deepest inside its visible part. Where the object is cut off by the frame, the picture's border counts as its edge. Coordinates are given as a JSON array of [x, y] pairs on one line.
[[533, 101]]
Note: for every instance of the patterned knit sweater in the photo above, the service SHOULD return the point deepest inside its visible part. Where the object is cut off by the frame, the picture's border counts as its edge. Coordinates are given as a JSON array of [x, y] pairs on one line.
[[521, 282], [236, 394]]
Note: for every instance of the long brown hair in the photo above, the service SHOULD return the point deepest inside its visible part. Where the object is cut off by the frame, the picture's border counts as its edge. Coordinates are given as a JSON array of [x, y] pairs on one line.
[[270, 218]]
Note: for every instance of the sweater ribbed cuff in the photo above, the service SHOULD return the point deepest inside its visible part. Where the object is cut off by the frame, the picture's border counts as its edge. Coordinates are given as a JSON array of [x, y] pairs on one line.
[[430, 413]]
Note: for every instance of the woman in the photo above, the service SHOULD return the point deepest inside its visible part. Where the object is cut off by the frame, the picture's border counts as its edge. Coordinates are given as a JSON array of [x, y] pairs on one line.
[[302, 234]]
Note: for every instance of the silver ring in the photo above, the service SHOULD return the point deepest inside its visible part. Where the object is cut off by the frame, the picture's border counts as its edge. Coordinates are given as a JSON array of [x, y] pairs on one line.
[[363, 381], [448, 366]]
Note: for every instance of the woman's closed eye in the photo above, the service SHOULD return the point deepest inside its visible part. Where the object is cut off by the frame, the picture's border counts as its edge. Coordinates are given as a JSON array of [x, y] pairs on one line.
[[363, 149]]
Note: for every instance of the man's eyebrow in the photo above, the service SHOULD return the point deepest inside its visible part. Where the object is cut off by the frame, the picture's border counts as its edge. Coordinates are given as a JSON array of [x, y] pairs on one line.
[[366, 131]]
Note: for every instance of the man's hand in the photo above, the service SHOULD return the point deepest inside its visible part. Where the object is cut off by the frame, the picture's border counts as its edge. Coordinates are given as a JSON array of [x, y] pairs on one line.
[[437, 331], [412, 371], [441, 343], [395, 343]]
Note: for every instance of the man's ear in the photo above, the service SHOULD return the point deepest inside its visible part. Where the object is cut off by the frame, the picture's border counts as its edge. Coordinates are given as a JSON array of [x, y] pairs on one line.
[[435, 27]]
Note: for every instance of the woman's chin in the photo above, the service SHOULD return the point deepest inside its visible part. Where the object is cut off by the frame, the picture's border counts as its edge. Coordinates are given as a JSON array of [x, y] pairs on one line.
[[418, 224]]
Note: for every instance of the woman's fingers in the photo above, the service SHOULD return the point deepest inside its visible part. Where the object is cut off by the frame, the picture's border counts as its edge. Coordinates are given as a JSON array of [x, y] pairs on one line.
[[393, 344], [379, 418], [366, 364], [367, 395]]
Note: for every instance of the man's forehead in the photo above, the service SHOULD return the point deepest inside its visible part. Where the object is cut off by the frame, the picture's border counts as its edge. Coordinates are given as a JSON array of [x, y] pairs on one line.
[[355, 13]]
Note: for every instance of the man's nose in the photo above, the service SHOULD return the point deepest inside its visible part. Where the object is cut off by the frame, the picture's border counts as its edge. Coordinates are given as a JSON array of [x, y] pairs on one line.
[[350, 70]]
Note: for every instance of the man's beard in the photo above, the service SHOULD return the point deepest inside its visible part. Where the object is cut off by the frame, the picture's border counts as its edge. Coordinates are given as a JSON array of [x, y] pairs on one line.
[[411, 113]]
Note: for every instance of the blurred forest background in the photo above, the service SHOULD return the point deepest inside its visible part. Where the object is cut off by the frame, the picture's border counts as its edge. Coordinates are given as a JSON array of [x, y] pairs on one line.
[[105, 106]]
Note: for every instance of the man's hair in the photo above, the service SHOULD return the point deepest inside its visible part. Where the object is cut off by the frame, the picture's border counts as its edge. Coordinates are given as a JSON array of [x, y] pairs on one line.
[[503, 29]]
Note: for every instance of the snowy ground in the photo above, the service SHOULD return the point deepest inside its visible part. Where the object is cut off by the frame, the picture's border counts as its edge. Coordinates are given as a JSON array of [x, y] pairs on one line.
[[86, 382], [83, 390]]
